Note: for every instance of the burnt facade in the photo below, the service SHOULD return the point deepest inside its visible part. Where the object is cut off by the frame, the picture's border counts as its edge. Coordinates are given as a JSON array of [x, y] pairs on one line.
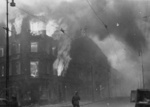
[[31, 60]]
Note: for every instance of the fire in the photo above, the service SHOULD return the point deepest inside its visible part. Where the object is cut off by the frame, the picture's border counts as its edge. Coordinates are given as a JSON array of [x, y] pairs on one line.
[[51, 27], [18, 23], [63, 57], [58, 66], [59, 33], [34, 68], [36, 27]]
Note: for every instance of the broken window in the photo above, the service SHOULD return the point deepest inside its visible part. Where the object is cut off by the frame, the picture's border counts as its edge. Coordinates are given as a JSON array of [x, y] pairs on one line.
[[34, 46], [34, 68]]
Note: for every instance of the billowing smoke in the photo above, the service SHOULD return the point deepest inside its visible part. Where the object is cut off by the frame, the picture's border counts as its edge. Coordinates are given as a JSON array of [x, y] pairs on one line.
[[128, 71], [127, 43], [119, 27]]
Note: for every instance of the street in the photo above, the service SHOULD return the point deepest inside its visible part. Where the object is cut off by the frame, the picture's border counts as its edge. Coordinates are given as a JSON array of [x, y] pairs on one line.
[[122, 102]]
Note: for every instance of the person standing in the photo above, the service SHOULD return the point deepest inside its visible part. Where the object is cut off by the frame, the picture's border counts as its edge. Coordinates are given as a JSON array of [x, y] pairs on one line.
[[75, 100]]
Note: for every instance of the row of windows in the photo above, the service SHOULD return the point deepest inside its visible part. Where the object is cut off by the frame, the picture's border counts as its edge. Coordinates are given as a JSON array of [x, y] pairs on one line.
[[15, 69], [15, 49]]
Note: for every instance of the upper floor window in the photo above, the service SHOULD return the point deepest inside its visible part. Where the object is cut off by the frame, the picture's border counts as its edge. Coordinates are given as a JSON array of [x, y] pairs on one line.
[[15, 68], [34, 47], [1, 52], [15, 48], [3, 71], [34, 68]]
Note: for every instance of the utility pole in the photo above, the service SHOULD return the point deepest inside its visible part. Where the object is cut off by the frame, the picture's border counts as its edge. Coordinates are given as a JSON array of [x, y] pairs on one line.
[[7, 51], [7, 47]]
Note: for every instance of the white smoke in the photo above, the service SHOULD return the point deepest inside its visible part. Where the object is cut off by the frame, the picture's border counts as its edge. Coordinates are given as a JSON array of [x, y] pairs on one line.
[[63, 57], [118, 55], [18, 23]]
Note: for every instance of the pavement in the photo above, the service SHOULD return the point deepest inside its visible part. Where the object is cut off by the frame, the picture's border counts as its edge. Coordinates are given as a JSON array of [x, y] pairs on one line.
[[117, 102]]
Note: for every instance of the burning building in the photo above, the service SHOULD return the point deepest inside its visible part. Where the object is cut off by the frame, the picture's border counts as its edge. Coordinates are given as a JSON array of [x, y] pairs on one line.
[[31, 63], [39, 62]]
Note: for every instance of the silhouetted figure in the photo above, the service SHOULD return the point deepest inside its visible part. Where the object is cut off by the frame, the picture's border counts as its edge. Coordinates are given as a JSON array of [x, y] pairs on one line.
[[75, 100]]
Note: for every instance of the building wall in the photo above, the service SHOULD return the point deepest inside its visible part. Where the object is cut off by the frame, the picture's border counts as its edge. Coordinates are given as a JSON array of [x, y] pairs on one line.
[[23, 60]]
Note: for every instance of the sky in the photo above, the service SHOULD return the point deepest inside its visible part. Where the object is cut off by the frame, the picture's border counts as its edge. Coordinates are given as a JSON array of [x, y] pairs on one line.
[[118, 27]]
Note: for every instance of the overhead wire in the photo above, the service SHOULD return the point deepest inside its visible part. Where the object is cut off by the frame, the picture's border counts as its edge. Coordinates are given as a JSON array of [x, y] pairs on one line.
[[89, 3], [106, 27]]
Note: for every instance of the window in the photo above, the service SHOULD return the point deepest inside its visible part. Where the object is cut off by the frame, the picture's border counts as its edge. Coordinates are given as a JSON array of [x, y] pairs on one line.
[[2, 71], [15, 48], [18, 48], [34, 68], [34, 46], [15, 68], [49, 68], [18, 67], [1, 52]]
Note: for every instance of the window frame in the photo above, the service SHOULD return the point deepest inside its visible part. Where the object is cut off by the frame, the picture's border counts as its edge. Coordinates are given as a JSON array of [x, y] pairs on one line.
[[37, 67]]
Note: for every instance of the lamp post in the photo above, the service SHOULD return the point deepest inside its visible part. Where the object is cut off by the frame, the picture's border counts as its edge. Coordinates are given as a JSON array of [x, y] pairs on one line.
[[7, 47]]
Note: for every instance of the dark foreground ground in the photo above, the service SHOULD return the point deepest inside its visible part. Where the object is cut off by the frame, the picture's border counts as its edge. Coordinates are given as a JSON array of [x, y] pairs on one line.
[[115, 102]]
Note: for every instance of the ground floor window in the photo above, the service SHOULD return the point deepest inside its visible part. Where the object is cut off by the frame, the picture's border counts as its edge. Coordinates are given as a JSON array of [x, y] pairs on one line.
[[34, 68]]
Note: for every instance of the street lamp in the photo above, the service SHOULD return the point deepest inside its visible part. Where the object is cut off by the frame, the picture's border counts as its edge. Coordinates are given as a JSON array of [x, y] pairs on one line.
[[7, 47], [12, 3]]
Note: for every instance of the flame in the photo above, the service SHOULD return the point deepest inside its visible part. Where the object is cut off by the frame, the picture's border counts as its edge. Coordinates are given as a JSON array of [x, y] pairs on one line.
[[63, 58], [34, 68], [18, 23], [51, 27], [36, 27], [10, 28], [54, 30], [59, 66]]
